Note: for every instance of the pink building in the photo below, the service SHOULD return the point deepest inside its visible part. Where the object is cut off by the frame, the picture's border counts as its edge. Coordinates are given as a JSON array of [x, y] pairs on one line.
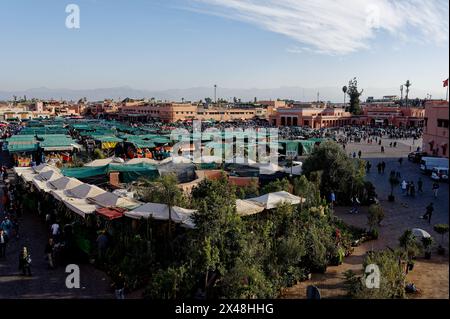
[[312, 116], [435, 137], [384, 115]]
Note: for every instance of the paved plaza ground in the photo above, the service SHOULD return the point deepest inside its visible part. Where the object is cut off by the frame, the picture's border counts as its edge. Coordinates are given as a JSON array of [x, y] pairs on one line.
[[45, 283], [430, 276]]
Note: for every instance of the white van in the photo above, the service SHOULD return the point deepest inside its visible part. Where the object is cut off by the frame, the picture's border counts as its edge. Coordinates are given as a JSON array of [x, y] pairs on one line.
[[428, 163], [440, 174]]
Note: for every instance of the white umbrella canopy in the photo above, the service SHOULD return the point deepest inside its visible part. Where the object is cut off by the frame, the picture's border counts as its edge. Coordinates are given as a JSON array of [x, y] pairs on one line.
[[272, 200], [108, 199], [161, 212], [65, 183], [246, 207], [84, 191], [44, 167], [48, 175], [420, 233]]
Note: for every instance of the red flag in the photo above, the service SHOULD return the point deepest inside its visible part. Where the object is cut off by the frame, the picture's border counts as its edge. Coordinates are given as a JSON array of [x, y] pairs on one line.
[[445, 83]]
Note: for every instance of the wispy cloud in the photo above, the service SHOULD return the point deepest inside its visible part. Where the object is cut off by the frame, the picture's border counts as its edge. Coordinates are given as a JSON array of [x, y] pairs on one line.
[[339, 26]]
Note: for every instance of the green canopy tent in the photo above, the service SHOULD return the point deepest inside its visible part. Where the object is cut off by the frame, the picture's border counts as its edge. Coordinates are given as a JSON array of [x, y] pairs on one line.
[[129, 173]]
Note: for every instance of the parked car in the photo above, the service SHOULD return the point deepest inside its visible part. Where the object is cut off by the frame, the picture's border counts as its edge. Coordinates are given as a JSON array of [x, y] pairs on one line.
[[428, 163], [416, 157], [440, 174]]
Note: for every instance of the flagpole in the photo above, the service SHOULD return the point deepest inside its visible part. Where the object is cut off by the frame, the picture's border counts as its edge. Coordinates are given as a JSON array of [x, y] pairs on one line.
[[446, 92]]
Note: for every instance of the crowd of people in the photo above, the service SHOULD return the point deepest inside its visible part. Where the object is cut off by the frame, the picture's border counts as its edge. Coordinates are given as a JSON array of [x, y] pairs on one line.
[[10, 219]]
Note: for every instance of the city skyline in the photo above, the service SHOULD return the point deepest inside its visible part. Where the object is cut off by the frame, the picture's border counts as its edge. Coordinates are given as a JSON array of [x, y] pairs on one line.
[[178, 45]]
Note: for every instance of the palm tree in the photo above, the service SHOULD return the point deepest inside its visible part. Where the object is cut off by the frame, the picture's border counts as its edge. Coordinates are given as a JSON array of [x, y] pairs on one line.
[[401, 93], [344, 89], [407, 84]]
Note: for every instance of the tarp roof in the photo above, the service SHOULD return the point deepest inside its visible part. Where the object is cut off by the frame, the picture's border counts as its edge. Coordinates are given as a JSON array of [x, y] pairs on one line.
[[40, 180], [161, 212], [142, 160], [246, 207], [108, 139], [84, 191], [272, 200], [110, 213], [103, 162], [64, 183], [80, 206], [108, 199]]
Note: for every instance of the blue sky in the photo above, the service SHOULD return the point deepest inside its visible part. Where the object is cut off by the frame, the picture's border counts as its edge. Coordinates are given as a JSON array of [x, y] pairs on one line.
[[235, 43]]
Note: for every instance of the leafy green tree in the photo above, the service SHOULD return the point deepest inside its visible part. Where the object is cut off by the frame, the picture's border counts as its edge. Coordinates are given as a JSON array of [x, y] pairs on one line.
[[354, 95], [337, 171], [375, 216], [211, 259], [409, 244], [164, 190], [276, 186], [392, 280], [217, 225], [171, 283], [393, 181], [245, 281], [441, 229], [310, 191]]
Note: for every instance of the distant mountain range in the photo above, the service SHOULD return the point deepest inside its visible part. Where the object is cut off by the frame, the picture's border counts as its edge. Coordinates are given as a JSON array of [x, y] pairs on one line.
[[200, 93]]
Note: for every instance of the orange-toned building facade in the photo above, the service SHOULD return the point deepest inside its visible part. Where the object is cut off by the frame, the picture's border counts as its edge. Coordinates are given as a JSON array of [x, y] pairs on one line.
[[173, 112], [314, 117], [384, 115], [435, 136]]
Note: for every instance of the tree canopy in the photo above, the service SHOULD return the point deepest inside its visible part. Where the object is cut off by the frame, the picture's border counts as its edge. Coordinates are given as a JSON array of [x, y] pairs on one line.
[[338, 173]]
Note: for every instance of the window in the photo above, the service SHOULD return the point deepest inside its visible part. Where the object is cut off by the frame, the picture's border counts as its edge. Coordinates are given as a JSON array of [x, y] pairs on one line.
[[442, 123]]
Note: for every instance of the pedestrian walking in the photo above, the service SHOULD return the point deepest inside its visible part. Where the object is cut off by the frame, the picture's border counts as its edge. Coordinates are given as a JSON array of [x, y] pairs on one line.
[[408, 189], [400, 161], [379, 168], [7, 226], [102, 244], [48, 221], [55, 231], [435, 189], [332, 199], [420, 185], [359, 154], [25, 261], [355, 202], [404, 186], [49, 253], [119, 286], [429, 212], [382, 149], [3, 243], [383, 167], [412, 189]]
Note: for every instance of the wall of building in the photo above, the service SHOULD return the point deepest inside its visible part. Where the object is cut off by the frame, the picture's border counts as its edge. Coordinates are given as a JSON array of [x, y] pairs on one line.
[[435, 137], [311, 116]]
